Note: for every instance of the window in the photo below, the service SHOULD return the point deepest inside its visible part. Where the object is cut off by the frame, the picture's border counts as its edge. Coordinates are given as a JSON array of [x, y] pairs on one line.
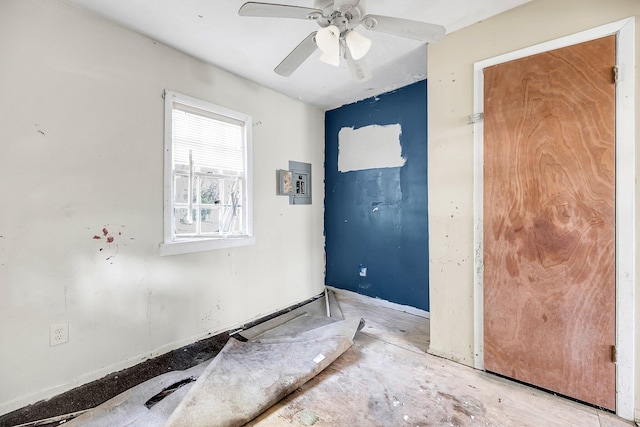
[[207, 200]]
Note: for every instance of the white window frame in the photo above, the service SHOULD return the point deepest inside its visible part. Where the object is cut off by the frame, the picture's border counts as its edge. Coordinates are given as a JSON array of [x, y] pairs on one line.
[[173, 245]]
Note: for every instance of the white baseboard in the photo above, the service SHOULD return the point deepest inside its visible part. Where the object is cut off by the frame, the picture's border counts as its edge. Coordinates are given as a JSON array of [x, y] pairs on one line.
[[382, 303]]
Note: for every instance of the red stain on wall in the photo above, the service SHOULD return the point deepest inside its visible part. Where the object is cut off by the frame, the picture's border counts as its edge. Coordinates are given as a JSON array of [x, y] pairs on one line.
[[113, 247]]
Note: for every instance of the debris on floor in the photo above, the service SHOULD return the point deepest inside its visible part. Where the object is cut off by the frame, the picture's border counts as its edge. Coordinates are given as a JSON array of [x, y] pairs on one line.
[[254, 370], [247, 378]]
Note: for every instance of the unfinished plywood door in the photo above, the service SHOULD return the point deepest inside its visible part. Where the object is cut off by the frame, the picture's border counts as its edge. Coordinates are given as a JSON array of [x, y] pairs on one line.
[[549, 212]]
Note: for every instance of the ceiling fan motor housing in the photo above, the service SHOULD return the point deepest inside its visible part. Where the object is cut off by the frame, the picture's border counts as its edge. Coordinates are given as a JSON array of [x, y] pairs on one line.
[[346, 19]]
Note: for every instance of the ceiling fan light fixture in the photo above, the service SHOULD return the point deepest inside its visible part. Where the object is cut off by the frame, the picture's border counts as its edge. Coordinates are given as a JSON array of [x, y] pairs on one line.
[[358, 44], [328, 39], [331, 58]]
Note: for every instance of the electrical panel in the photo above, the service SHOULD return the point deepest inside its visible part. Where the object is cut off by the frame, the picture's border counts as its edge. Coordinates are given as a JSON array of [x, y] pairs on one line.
[[295, 183], [301, 183]]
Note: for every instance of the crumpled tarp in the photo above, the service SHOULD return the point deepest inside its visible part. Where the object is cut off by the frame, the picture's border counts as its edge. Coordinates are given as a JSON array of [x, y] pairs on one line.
[[128, 408], [247, 378], [243, 380]]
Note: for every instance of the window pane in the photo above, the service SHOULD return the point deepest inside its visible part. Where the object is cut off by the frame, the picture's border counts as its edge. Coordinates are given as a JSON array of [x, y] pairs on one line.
[[237, 223], [209, 190], [210, 220], [181, 189], [231, 221], [194, 189], [184, 224], [232, 192]]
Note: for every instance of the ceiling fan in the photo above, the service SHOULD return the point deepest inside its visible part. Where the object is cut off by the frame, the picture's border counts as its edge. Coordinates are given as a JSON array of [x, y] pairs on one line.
[[337, 36]]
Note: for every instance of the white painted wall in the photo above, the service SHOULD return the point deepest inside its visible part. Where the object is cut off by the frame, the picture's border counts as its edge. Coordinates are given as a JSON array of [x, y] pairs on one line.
[[82, 137], [450, 88]]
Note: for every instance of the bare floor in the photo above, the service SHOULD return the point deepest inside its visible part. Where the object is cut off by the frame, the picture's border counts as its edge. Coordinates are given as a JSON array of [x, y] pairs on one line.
[[387, 379]]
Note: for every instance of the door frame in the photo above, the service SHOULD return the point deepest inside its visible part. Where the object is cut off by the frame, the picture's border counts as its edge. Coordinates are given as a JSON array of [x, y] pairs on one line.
[[625, 198]]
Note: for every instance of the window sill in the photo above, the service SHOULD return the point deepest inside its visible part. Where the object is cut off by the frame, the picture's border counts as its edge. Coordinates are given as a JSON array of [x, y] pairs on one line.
[[188, 246]]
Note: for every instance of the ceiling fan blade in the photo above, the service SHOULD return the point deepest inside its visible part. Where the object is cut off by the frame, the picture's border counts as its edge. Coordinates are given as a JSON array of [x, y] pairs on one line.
[[345, 5], [272, 10], [404, 27], [297, 56], [359, 69]]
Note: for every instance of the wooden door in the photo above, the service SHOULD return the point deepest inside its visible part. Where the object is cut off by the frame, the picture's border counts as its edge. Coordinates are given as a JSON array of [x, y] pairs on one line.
[[549, 212]]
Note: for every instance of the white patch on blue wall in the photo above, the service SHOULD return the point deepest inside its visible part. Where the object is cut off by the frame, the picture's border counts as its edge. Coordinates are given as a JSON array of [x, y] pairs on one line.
[[370, 147]]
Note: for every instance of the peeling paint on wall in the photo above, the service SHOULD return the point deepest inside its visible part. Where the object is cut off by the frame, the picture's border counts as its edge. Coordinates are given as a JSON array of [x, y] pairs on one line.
[[370, 147]]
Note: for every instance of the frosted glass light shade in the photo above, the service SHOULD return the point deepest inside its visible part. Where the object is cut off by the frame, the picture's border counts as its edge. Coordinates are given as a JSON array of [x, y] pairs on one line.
[[331, 58], [328, 39], [358, 44]]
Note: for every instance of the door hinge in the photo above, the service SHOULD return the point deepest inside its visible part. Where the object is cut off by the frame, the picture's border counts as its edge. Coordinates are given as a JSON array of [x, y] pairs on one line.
[[474, 118], [615, 73], [614, 354]]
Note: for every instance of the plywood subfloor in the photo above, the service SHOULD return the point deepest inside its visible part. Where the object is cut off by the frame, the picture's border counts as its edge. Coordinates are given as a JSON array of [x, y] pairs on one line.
[[386, 379]]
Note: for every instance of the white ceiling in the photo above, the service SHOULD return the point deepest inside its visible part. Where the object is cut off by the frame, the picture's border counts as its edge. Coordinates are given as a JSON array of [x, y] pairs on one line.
[[250, 47]]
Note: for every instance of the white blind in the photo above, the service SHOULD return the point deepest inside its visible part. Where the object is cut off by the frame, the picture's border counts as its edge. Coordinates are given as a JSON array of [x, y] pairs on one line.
[[216, 142]]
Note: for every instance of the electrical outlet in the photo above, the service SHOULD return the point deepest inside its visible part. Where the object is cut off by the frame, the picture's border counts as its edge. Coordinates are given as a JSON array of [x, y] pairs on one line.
[[59, 333]]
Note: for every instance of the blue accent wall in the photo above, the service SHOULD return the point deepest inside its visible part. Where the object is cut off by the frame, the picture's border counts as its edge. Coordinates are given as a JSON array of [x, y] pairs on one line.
[[377, 218]]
